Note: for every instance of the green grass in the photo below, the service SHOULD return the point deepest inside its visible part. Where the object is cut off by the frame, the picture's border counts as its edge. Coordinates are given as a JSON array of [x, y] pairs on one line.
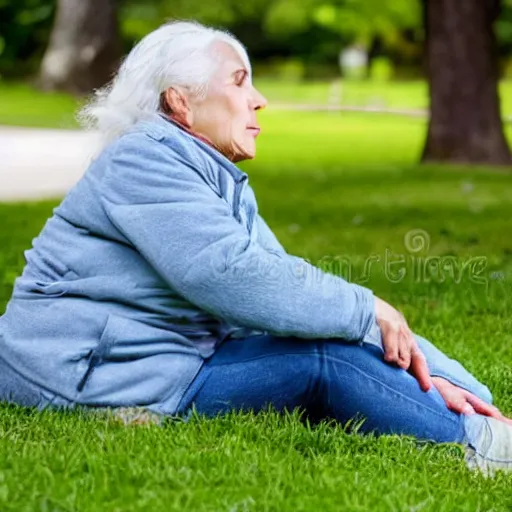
[[329, 186], [22, 105]]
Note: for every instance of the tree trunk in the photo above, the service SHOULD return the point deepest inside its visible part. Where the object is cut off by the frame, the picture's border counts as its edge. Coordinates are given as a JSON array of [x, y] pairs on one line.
[[84, 48], [462, 66]]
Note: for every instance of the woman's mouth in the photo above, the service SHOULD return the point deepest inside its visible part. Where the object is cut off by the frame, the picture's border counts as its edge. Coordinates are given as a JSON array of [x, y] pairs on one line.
[[255, 130]]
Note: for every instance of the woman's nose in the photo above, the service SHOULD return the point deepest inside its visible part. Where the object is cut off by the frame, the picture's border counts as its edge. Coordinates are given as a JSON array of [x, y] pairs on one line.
[[259, 101]]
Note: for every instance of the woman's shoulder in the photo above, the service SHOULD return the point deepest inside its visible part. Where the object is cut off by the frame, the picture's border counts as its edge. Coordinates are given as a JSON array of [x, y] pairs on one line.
[[154, 140], [146, 165]]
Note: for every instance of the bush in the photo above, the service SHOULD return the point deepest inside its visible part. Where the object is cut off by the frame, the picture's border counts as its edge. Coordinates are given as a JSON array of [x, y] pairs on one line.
[[289, 70], [25, 27], [381, 69]]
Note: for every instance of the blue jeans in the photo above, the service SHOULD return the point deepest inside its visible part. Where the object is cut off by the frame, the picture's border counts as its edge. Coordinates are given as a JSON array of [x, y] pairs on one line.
[[326, 379]]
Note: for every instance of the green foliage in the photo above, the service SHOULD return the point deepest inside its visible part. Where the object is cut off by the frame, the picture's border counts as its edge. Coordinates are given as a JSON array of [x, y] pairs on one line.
[[503, 27], [362, 21], [286, 17], [381, 69], [313, 31], [278, 69], [24, 31], [139, 19]]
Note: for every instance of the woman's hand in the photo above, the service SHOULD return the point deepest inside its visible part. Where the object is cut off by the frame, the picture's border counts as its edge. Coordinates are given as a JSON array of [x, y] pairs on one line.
[[400, 346], [463, 402]]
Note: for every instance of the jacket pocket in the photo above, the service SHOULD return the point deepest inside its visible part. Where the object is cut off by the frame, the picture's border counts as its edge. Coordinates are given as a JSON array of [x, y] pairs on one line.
[[124, 340], [97, 355]]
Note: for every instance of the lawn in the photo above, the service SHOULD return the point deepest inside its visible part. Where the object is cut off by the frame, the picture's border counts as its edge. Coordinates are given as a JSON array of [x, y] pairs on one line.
[[330, 186], [22, 105]]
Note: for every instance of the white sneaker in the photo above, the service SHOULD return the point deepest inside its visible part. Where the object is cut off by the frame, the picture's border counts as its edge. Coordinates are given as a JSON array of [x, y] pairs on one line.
[[490, 446]]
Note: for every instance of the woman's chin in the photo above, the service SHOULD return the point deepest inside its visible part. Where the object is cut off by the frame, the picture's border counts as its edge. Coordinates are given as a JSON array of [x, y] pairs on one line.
[[247, 153], [250, 149], [241, 158]]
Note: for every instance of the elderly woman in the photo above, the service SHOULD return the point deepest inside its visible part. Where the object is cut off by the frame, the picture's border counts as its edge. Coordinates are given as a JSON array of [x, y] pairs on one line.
[[157, 284]]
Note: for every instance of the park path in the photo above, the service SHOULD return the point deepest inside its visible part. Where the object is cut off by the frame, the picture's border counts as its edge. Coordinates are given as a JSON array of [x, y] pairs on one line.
[[38, 164]]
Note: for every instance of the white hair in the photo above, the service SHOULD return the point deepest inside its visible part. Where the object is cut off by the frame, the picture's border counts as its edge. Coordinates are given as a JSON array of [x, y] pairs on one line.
[[177, 54]]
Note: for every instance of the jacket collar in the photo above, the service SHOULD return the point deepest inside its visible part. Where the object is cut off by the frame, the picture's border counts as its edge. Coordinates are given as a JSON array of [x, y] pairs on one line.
[[161, 127]]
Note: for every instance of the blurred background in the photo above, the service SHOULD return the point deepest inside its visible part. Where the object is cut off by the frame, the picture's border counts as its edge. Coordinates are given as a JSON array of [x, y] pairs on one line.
[[377, 55]]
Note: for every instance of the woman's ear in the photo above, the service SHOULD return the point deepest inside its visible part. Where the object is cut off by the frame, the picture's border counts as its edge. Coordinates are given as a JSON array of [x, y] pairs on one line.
[[177, 106]]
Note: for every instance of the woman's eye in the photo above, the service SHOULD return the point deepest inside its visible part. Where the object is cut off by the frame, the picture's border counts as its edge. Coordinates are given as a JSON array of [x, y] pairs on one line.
[[241, 79]]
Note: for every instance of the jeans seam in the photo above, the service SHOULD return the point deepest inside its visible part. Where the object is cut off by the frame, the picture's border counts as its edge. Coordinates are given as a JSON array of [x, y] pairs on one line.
[[324, 368], [316, 388], [409, 399]]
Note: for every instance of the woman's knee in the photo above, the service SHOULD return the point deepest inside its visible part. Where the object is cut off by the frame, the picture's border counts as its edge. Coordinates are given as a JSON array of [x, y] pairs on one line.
[[484, 393], [358, 383], [348, 369], [359, 372]]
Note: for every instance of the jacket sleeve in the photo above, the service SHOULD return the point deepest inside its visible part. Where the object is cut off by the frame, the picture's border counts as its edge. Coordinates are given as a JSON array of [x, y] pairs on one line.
[[186, 231]]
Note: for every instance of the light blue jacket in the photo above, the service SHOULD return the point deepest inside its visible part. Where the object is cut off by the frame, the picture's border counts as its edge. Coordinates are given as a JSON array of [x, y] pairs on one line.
[[156, 256]]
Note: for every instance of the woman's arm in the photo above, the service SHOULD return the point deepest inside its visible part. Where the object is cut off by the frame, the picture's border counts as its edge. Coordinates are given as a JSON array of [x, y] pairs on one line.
[[166, 211]]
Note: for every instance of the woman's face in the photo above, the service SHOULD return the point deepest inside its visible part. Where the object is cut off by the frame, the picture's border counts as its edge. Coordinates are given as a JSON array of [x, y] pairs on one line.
[[227, 115]]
